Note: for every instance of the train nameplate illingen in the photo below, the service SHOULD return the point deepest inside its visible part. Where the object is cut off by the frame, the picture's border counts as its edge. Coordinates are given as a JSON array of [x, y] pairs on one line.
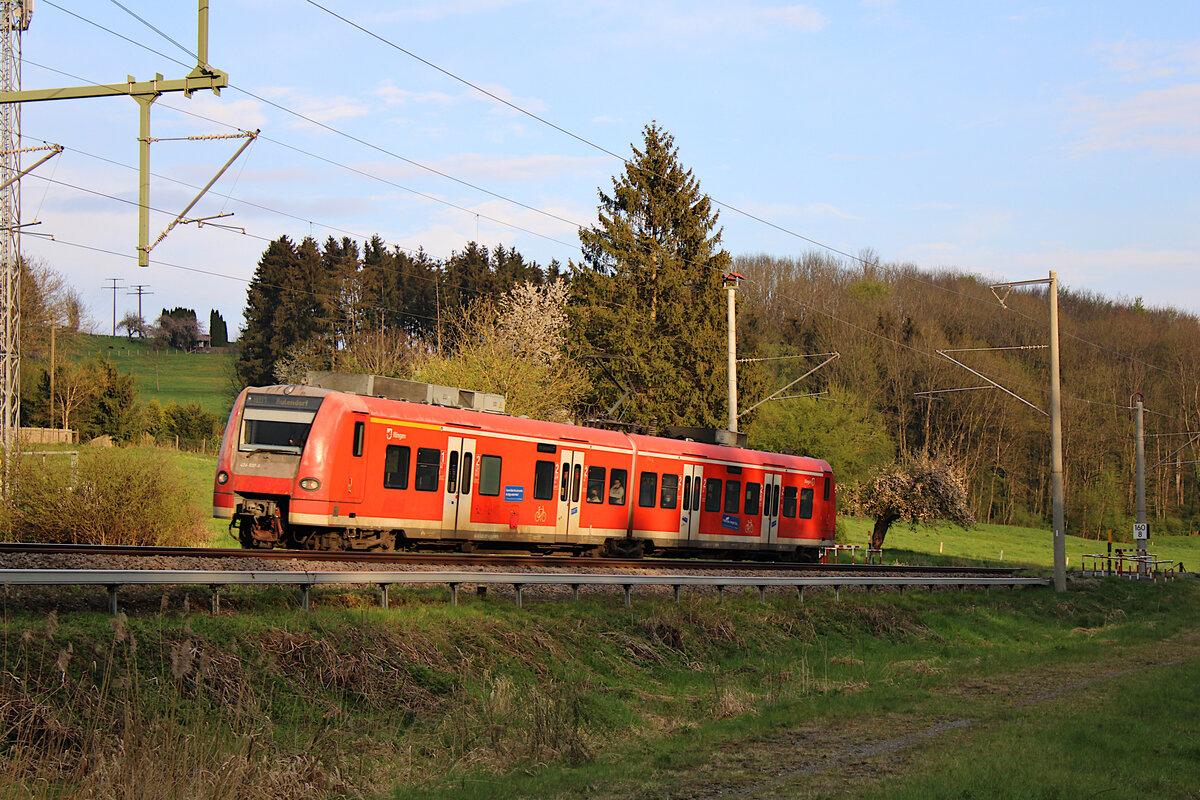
[[514, 494]]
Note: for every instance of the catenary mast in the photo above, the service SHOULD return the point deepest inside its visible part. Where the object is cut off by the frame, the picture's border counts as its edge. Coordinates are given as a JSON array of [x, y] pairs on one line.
[[15, 20]]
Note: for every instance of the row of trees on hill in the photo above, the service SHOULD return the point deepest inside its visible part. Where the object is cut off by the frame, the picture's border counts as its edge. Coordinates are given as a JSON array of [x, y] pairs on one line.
[[636, 329], [314, 304], [177, 328]]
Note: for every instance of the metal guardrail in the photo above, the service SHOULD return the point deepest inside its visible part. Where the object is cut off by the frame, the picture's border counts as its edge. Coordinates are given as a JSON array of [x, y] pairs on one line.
[[114, 579]]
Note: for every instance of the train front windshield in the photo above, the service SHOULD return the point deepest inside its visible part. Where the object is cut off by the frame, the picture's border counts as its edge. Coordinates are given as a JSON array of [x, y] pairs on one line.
[[279, 423]]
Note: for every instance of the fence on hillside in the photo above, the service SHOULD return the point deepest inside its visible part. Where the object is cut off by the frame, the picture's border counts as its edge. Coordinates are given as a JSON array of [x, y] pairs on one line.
[[48, 436]]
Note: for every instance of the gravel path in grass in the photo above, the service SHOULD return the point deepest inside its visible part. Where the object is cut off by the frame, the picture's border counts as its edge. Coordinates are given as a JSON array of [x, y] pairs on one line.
[[841, 758]]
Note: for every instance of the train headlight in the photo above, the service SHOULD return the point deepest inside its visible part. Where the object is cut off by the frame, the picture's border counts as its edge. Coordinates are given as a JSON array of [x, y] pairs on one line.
[[222, 477], [310, 484]]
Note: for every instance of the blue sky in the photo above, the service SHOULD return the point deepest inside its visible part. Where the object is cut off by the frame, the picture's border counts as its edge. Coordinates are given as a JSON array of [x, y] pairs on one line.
[[1003, 138]]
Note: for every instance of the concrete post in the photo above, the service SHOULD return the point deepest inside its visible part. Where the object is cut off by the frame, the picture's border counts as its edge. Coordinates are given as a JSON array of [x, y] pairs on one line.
[[1056, 455]]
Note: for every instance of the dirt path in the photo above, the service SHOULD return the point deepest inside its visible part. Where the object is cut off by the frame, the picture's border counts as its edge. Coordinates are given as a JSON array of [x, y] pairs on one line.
[[833, 759]]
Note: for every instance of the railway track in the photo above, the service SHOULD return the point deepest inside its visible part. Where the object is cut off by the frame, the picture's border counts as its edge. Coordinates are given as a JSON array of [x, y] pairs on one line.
[[469, 561]]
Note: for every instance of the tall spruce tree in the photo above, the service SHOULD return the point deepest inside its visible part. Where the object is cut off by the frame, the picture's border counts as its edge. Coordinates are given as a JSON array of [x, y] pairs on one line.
[[647, 306], [264, 338]]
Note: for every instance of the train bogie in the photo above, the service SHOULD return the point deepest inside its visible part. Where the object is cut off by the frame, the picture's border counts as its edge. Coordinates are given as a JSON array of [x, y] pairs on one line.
[[307, 467]]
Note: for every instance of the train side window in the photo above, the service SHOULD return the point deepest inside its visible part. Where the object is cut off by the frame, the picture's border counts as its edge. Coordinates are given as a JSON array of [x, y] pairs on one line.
[[452, 473], [752, 496], [395, 466], [576, 482], [825, 495], [465, 484], [696, 494], [775, 501], [647, 489], [789, 501], [565, 486], [360, 435], [670, 491], [687, 492], [616, 487], [806, 503], [595, 484], [733, 497], [429, 461], [712, 494], [489, 475], [543, 480]]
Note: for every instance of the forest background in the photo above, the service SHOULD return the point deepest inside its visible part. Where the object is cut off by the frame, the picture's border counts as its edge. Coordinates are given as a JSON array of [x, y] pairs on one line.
[[634, 334]]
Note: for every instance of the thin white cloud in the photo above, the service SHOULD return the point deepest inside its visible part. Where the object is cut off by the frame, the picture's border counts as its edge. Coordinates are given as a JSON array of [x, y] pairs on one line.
[[244, 114], [475, 166], [791, 211], [681, 25], [393, 96], [1164, 275], [432, 10], [1030, 14], [932, 252], [799, 18], [316, 107], [1140, 60], [1164, 121]]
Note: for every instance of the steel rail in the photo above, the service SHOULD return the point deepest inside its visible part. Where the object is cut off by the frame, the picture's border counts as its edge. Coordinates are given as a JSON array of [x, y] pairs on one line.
[[114, 579], [489, 559]]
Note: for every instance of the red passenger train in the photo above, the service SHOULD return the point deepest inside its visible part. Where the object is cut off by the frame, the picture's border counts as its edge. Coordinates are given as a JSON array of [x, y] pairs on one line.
[[308, 467]]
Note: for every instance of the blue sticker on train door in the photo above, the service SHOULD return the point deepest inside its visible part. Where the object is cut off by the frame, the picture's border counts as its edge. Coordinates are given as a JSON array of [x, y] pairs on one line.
[[514, 494], [729, 521]]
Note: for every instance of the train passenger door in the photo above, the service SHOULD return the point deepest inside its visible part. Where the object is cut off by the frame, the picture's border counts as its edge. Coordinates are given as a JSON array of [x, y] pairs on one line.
[[460, 470], [689, 507], [570, 495], [356, 468], [770, 507]]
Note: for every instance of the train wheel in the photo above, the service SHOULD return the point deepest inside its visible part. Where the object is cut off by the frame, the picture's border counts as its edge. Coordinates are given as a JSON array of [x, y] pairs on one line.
[[808, 555], [624, 548]]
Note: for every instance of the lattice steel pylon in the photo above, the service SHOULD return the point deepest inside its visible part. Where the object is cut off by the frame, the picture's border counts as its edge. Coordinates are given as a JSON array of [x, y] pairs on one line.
[[15, 20]]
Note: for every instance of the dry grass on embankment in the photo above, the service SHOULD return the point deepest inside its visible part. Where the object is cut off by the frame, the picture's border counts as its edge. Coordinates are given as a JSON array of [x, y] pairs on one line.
[[350, 700]]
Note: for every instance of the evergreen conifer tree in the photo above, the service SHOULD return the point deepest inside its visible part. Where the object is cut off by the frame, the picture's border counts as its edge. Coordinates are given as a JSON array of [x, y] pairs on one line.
[[647, 304], [217, 329], [263, 340]]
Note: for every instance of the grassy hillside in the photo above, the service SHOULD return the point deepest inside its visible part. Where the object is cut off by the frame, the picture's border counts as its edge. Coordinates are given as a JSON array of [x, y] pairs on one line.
[[166, 375], [936, 692], [1001, 545]]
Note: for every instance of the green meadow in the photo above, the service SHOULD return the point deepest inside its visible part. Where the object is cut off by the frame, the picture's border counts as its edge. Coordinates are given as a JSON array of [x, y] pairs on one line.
[[167, 375]]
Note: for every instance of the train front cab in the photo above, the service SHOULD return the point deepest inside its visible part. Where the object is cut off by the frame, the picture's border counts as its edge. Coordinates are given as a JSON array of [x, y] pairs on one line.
[[262, 450]]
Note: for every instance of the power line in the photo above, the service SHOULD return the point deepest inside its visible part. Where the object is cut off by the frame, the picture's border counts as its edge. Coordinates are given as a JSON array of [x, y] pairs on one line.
[[715, 201], [147, 24], [348, 168], [211, 273], [550, 124]]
